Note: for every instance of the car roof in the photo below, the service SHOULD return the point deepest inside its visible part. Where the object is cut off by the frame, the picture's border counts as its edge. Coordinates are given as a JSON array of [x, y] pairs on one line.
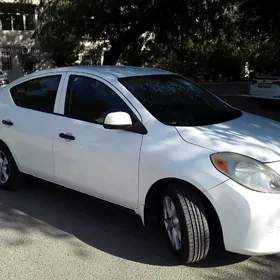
[[117, 71]]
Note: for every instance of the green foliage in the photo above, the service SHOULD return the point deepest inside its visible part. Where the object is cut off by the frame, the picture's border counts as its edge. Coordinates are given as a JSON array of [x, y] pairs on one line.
[[92, 56], [28, 62], [54, 34]]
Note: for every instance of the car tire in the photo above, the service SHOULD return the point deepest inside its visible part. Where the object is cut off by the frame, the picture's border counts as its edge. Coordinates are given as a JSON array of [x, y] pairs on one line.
[[10, 176], [186, 222]]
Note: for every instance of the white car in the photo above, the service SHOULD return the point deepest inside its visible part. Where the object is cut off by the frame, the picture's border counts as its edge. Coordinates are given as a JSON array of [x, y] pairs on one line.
[[266, 87], [151, 141]]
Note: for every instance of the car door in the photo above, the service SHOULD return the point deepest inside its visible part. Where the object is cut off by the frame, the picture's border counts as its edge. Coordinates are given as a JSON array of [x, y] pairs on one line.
[[28, 124], [92, 159]]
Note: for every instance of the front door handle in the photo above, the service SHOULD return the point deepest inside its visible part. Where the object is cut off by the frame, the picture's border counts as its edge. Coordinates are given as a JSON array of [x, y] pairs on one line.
[[7, 122], [66, 136]]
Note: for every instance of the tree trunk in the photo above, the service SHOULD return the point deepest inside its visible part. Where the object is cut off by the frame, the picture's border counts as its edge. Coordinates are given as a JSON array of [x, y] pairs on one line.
[[111, 56]]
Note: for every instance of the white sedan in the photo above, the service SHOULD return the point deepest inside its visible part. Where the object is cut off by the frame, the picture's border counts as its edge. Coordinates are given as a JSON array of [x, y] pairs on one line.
[[266, 87], [151, 141]]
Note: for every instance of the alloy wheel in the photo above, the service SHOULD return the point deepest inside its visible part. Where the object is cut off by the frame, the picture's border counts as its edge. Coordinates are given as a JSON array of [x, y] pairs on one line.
[[172, 223]]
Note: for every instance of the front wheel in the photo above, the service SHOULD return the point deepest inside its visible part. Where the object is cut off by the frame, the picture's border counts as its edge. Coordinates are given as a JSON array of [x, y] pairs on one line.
[[10, 176], [185, 224]]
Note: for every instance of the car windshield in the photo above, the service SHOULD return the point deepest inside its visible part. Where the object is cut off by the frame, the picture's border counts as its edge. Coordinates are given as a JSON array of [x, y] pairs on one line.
[[1, 73], [176, 101]]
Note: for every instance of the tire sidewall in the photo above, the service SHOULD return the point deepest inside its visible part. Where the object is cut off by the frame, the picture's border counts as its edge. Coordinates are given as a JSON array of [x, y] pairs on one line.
[[14, 174], [183, 252]]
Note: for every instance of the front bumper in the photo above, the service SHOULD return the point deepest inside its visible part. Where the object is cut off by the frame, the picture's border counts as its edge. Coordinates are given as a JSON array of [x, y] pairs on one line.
[[250, 220]]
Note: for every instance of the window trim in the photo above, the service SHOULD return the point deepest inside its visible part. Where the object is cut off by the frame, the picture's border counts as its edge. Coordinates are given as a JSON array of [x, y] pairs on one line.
[[35, 77], [138, 126]]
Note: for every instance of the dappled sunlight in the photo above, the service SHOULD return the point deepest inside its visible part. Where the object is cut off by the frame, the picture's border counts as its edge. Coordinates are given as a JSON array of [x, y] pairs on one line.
[[79, 221], [125, 71], [25, 229], [69, 225], [17, 38], [249, 135], [14, 41]]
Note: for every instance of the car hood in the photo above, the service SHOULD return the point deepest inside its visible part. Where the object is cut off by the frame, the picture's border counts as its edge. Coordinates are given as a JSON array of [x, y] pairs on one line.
[[250, 135]]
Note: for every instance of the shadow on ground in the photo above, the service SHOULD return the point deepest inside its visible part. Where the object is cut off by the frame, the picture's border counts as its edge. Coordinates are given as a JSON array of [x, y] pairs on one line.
[[58, 212]]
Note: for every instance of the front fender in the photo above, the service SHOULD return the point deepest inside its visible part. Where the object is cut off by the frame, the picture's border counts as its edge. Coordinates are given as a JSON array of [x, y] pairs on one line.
[[166, 155]]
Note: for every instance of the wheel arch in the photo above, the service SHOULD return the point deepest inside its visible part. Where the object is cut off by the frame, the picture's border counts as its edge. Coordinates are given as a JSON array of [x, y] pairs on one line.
[[152, 208]]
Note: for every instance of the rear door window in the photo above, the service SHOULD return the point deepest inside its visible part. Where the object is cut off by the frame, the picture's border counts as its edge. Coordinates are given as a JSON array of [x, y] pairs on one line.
[[37, 94]]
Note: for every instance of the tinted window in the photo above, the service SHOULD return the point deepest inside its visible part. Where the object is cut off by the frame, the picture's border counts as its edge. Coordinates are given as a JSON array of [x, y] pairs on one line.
[[91, 100], [174, 100], [37, 94]]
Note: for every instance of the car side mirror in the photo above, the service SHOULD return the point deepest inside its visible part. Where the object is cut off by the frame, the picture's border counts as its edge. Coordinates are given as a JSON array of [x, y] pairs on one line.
[[117, 120]]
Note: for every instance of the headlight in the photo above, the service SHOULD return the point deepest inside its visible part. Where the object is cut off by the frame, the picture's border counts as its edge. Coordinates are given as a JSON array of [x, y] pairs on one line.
[[248, 172]]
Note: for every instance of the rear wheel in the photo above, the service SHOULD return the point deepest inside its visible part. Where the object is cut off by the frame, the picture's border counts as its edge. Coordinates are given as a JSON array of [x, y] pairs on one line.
[[10, 176], [185, 224]]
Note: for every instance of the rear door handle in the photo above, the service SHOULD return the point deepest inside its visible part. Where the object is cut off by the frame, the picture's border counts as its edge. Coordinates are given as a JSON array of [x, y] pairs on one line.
[[66, 136], [7, 122]]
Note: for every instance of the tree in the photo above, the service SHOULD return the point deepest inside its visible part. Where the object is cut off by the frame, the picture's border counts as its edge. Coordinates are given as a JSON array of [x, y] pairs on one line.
[[54, 34], [120, 23], [260, 26], [205, 40], [28, 62], [260, 16], [115, 23]]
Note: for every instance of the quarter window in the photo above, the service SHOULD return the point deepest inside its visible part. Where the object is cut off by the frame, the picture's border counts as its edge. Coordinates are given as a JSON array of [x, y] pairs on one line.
[[37, 94], [91, 100]]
